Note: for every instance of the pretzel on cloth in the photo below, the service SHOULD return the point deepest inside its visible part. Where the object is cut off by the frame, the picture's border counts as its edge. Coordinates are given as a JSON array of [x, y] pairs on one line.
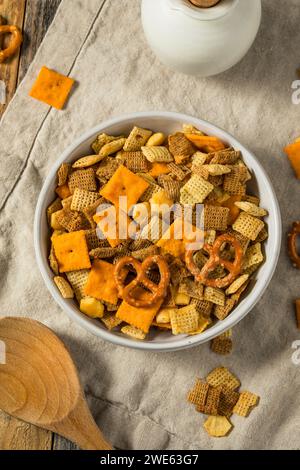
[[234, 267], [292, 244], [15, 42], [157, 291]]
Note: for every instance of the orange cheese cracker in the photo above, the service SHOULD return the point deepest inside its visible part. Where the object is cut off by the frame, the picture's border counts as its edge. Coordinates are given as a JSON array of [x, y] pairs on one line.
[[159, 169], [178, 236], [293, 153], [124, 183], [71, 251], [52, 88], [101, 282], [113, 224], [142, 317]]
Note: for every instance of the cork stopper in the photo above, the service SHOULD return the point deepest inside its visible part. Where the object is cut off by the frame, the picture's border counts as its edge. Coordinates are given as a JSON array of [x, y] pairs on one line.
[[204, 3]]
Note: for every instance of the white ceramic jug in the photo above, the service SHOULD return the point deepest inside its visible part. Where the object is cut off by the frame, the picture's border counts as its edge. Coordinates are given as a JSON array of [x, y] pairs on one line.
[[200, 41]]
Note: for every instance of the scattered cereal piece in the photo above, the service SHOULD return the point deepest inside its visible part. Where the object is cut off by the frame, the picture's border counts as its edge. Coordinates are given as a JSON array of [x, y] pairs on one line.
[[214, 295], [137, 138], [157, 154], [63, 173], [245, 403], [248, 225], [78, 280], [251, 208], [52, 88], [253, 256], [222, 376], [111, 321], [184, 320], [237, 284], [222, 344], [198, 394], [82, 199], [215, 218], [64, 287], [83, 179], [197, 188], [134, 332]]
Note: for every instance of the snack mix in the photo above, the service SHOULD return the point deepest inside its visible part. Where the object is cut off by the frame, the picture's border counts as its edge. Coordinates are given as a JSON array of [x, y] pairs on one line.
[[154, 232]]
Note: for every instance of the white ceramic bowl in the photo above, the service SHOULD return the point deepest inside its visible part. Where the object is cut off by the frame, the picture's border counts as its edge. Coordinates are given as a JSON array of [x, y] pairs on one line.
[[166, 122]]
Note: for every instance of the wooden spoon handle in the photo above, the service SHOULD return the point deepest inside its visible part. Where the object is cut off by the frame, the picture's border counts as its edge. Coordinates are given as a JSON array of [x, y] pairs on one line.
[[80, 427]]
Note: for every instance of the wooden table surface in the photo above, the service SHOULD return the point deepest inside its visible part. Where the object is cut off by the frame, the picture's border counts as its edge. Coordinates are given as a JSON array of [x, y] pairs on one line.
[[34, 18]]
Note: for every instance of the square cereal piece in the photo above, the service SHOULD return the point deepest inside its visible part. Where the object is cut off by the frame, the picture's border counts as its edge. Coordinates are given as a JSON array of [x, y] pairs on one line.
[[197, 395], [251, 208], [222, 344], [124, 183], [78, 280], [184, 320], [179, 145], [63, 173], [157, 154], [64, 287], [136, 161], [214, 295], [101, 282], [192, 288], [71, 251], [110, 320], [55, 206], [222, 376], [142, 317], [217, 426], [253, 256], [204, 307], [248, 225], [136, 139], [52, 88], [227, 401], [222, 311], [224, 157], [197, 188], [215, 218], [245, 403], [82, 199], [133, 332], [83, 179], [212, 401]]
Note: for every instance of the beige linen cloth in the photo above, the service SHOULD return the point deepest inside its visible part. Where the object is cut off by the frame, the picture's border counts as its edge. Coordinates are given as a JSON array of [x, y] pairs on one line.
[[139, 398]]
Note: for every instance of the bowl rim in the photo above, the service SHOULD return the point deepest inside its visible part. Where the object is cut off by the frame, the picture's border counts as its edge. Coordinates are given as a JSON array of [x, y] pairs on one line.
[[183, 342]]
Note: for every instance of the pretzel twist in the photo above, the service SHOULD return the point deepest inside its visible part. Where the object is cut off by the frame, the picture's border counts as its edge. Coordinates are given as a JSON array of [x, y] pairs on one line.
[[157, 291], [292, 244], [15, 42], [234, 267]]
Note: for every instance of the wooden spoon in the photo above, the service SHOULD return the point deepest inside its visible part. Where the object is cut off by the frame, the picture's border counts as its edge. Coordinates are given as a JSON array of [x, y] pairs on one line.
[[204, 3], [39, 383]]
